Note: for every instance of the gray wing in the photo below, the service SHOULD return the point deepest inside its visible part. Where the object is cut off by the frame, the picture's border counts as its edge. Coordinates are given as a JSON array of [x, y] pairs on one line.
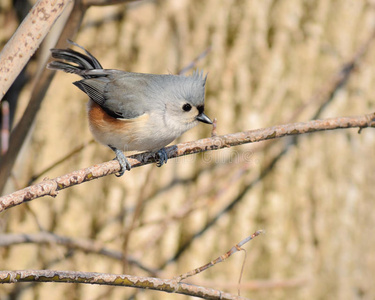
[[119, 93]]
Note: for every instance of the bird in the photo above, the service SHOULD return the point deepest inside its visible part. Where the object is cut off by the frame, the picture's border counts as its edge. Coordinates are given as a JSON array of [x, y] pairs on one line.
[[130, 111]]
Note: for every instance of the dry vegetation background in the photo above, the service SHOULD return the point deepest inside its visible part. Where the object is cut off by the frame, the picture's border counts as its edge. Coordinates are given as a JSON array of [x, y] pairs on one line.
[[267, 59]]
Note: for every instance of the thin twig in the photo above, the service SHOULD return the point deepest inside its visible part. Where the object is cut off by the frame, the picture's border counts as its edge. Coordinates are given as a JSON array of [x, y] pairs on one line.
[[241, 272], [220, 259], [60, 161], [256, 285], [165, 285], [194, 62]]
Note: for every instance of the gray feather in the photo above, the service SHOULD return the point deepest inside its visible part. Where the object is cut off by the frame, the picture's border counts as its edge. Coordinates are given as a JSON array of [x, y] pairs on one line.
[[125, 94]]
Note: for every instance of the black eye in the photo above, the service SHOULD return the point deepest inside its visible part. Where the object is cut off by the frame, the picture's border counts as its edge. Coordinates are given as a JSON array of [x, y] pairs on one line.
[[186, 107]]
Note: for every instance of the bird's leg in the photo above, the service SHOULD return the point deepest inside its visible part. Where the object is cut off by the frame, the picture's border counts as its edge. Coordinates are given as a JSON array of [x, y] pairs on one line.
[[162, 157], [123, 161]]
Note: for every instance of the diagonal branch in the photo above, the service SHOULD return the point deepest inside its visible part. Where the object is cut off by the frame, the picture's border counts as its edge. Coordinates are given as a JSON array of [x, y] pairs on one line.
[[27, 39], [51, 187], [165, 285]]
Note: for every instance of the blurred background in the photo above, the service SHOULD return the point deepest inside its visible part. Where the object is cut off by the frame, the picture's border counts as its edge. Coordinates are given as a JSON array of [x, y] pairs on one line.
[[268, 63]]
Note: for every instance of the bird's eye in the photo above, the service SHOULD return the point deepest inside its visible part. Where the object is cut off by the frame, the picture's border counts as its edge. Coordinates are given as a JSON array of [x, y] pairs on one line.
[[186, 107]]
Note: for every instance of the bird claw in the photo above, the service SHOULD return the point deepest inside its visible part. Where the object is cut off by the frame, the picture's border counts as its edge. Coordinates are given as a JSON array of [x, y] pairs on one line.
[[125, 165], [123, 161], [162, 157]]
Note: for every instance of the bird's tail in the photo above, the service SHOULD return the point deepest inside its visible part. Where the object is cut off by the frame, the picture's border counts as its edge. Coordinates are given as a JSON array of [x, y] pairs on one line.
[[71, 61]]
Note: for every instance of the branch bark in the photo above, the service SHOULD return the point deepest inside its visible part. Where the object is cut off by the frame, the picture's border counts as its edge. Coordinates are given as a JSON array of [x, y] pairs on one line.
[[105, 2], [165, 285], [27, 39], [51, 187]]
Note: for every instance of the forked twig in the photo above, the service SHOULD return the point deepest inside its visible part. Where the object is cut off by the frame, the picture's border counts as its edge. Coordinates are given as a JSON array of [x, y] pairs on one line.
[[220, 259]]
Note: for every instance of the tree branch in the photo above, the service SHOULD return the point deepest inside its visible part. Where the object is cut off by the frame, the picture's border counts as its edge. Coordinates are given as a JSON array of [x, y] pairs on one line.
[[27, 39], [88, 246], [165, 285], [43, 79], [51, 187]]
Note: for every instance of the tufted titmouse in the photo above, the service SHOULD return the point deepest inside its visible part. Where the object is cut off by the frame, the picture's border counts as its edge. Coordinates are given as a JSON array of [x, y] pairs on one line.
[[134, 111]]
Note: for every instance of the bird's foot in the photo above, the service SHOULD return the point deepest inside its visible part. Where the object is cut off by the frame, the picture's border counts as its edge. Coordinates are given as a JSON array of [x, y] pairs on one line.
[[122, 160], [162, 157]]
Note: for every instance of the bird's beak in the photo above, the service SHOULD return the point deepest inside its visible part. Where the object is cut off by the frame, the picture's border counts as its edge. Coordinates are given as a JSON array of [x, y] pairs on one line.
[[204, 119]]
